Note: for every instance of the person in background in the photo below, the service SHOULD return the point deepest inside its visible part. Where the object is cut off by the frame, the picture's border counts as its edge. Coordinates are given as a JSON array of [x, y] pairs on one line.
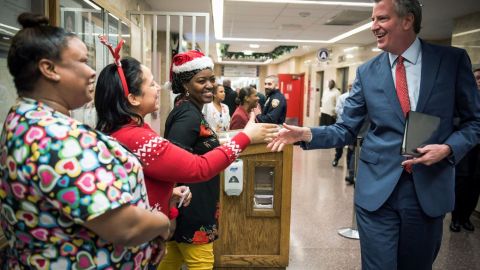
[[192, 243], [230, 96], [275, 109], [261, 97], [71, 196], [122, 116], [216, 113], [328, 116], [329, 100], [351, 148], [401, 203], [476, 73], [247, 101], [467, 184]]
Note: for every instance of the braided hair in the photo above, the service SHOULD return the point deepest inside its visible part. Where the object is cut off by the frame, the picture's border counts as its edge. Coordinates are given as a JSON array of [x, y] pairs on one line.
[[178, 81]]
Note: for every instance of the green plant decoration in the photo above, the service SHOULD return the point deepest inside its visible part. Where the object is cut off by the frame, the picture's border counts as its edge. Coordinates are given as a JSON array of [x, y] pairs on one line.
[[255, 57]]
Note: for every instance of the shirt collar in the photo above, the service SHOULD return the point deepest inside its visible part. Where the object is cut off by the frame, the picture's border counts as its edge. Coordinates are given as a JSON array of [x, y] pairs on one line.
[[411, 54], [243, 109]]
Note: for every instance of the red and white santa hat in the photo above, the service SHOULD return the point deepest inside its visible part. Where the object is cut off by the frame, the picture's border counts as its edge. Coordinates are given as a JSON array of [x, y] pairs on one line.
[[191, 60]]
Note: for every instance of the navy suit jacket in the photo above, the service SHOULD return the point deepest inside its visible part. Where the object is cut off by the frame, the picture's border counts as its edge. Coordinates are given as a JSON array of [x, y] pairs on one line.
[[447, 88]]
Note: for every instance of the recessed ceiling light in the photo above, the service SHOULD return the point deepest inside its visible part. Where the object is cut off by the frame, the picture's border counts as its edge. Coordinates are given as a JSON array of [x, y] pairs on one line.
[[217, 12], [375, 49], [350, 49], [254, 46], [466, 32], [9, 27], [303, 2], [113, 16], [92, 4]]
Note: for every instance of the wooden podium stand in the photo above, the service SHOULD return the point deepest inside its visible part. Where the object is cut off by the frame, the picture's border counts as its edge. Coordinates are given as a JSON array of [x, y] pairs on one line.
[[255, 226]]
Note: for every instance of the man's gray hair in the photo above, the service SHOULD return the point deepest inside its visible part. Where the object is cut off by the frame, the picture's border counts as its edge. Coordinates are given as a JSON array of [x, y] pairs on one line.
[[404, 7]]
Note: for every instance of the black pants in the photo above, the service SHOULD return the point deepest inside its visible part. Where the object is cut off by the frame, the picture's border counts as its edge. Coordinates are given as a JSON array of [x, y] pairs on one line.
[[326, 119], [467, 186], [339, 153], [350, 161], [467, 190]]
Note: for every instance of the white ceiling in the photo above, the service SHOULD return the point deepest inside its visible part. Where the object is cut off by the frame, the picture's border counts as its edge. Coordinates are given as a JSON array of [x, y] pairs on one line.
[[285, 21]]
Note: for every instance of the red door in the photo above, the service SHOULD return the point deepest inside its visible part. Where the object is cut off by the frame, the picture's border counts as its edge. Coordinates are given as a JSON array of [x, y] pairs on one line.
[[292, 87]]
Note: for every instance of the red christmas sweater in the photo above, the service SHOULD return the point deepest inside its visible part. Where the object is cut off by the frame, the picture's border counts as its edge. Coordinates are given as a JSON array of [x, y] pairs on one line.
[[164, 163]]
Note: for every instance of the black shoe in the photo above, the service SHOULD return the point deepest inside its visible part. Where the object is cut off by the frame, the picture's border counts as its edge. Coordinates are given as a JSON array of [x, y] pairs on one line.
[[455, 226], [335, 162], [468, 226], [349, 180]]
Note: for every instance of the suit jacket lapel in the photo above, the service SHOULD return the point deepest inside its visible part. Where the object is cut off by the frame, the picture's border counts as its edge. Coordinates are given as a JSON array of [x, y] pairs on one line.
[[430, 65], [387, 85]]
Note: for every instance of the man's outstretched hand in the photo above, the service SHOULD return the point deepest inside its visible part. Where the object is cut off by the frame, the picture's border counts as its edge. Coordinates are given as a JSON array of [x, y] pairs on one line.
[[288, 135]]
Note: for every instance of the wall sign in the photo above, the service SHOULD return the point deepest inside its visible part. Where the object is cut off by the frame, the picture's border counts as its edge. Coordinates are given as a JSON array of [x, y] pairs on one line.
[[322, 55], [239, 71]]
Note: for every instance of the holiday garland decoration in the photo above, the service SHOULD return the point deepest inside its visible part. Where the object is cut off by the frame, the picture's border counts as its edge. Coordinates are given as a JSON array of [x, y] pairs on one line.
[[255, 57]]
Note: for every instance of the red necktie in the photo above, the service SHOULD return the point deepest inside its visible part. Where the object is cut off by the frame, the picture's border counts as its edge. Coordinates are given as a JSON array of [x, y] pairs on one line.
[[401, 85], [402, 91]]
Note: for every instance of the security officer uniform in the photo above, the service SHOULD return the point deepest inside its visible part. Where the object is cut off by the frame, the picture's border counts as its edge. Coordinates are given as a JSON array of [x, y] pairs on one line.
[[275, 109]]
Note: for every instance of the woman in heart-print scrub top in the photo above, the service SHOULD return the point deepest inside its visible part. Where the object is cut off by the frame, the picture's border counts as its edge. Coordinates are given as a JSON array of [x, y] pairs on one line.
[[70, 197]]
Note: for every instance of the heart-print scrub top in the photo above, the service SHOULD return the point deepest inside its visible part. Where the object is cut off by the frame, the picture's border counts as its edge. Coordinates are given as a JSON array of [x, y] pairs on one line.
[[56, 174]]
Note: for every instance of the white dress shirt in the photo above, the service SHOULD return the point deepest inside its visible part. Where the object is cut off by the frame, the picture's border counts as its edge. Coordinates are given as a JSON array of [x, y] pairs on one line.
[[413, 69]]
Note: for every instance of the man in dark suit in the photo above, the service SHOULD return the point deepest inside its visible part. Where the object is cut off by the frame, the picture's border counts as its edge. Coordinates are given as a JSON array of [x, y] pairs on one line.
[[230, 96], [401, 203], [467, 184]]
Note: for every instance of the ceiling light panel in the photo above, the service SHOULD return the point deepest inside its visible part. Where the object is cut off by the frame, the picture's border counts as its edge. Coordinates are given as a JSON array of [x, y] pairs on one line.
[[299, 2], [264, 9], [274, 21], [349, 17], [264, 48], [350, 49]]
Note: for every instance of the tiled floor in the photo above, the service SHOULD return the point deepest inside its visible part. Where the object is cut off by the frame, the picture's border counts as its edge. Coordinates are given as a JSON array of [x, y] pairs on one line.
[[322, 203]]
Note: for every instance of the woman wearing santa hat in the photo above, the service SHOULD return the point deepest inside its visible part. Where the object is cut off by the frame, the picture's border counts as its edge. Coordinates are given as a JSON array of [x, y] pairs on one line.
[[197, 227], [125, 93]]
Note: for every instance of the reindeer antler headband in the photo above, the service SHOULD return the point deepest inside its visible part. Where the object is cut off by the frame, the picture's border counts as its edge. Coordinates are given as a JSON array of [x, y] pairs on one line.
[[116, 58]]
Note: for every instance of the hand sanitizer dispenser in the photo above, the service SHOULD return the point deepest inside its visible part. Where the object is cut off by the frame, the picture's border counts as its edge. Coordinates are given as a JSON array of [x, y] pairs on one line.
[[233, 178]]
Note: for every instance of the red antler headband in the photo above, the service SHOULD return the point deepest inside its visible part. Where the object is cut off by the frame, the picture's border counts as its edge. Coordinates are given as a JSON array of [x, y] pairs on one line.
[[116, 58]]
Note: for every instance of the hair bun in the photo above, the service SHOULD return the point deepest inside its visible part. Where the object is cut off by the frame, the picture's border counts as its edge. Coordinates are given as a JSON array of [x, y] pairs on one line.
[[28, 20]]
